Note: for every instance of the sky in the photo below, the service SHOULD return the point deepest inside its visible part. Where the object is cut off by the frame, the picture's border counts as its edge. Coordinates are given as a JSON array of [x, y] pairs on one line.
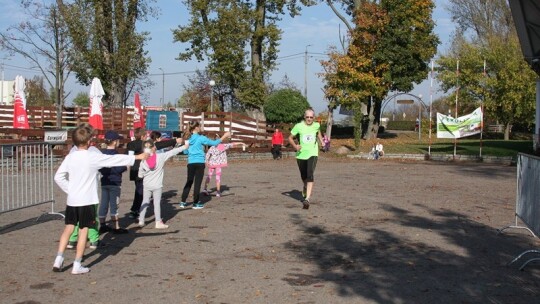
[[315, 30]]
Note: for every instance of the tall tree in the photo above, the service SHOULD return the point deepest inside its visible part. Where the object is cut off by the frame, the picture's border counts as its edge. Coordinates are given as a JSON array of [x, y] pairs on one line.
[[106, 44], [389, 49], [487, 34], [42, 40], [221, 31], [36, 93]]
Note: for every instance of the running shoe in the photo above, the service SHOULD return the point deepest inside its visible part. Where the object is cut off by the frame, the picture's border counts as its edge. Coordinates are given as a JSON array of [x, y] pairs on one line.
[[198, 205]]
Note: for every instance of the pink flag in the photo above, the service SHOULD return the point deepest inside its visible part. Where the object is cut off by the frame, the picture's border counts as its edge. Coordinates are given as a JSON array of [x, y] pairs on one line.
[[96, 105], [138, 117], [20, 119]]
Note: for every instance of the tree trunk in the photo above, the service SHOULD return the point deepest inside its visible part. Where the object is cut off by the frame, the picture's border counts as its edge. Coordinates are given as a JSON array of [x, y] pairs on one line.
[[330, 122], [507, 129]]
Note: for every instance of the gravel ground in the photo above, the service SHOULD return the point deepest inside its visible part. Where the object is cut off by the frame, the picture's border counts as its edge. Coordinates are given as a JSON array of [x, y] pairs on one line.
[[377, 232]]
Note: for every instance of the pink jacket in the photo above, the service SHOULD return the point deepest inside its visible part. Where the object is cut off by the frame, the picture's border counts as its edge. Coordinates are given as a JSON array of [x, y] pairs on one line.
[[216, 157]]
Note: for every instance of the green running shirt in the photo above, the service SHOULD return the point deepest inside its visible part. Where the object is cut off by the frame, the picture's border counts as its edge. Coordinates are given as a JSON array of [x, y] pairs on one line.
[[308, 139]]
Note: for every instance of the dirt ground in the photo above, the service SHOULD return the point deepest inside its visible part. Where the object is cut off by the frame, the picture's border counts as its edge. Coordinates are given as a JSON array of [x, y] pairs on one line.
[[377, 232]]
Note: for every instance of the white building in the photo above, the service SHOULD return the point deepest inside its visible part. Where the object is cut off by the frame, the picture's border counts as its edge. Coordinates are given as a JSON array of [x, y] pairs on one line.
[[7, 92]]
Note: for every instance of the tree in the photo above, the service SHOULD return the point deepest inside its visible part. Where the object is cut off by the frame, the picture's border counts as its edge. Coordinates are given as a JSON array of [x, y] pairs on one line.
[[285, 106], [42, 40], [507, 88], [389, 50], [81, 100], [36, 94], [221, 31], [106, 44]]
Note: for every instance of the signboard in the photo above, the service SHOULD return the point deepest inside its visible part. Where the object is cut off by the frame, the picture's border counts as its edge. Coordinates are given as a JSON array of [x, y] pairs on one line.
[[405, 101], [450, 127], [56, 136]]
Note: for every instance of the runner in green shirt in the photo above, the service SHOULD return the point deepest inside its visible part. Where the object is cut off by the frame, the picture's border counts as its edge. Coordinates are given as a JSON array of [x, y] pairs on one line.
[[307, 151]]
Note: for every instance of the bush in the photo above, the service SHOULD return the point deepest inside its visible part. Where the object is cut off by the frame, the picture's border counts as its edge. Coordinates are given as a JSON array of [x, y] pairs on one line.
[[285, 106]]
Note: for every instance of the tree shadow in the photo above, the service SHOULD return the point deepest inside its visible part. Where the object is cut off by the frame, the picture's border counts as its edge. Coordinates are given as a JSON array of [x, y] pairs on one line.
[[444, 257]]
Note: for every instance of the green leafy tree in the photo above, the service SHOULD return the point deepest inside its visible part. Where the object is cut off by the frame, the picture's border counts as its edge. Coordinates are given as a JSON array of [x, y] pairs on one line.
[[81, 100], [487, 35], [222, 31], [42, 40], [285, 106], [106, 44]]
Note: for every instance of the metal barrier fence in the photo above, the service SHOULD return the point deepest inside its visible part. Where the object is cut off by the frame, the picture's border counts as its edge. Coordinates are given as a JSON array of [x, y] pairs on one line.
[[27, 176], [527, 204]]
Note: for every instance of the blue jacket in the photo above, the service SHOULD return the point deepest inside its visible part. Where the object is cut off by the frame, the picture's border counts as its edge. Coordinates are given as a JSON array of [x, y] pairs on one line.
[[195, 152], [111, 176]]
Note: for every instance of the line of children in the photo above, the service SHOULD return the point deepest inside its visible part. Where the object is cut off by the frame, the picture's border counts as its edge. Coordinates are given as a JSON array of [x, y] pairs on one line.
[[77, 176]]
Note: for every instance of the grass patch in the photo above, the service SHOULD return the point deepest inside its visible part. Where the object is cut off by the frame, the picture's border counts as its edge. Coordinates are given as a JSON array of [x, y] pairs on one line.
[[408, 143]]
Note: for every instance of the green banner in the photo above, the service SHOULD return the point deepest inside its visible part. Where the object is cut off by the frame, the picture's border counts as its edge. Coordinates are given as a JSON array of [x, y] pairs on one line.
[[450, 127]]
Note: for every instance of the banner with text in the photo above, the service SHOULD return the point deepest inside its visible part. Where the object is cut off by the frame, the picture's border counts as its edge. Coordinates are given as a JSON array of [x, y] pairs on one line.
[[450, 127], [56, 136]]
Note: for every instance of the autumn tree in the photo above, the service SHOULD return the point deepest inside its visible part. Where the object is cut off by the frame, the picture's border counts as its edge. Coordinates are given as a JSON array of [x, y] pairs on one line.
[[389, 50], [36, 93], [106, 44], [42, 40], [240, 41]]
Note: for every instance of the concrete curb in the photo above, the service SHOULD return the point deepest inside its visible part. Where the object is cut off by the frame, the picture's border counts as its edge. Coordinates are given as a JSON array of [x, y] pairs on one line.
[[504, 160]]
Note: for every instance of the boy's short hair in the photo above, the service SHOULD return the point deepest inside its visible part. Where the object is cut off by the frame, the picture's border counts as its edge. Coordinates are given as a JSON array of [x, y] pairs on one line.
[[155, 135], [82, 134], [139, 132]]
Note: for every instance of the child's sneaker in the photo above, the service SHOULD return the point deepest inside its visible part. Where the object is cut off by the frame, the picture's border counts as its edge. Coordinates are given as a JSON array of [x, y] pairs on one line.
[[104, 228], [96, 245], [58, 264], [140, 224], [218, 194], [71, 245], [79, 269], [183, 205], [161, 225], [198, 205], [205, 192]]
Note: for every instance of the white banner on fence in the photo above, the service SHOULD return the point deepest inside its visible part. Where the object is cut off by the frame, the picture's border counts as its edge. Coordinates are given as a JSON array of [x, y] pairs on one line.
[[56, 136], [450, 127]]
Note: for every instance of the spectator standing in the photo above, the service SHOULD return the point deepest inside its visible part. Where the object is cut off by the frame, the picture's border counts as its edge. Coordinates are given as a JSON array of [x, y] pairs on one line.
[[277, 143]]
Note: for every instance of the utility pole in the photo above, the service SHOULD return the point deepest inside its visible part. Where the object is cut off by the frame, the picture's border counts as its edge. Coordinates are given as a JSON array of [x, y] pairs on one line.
[[305, 71], [162, 87]]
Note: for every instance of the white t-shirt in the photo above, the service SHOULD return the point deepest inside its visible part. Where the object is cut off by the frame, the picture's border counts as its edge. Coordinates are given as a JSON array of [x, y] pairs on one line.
[[76, 176], [379, 147]]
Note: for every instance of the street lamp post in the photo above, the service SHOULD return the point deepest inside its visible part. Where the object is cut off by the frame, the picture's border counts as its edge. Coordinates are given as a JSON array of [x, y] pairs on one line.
[[305, 71], [420, 117], [212, 83], [162, 87]]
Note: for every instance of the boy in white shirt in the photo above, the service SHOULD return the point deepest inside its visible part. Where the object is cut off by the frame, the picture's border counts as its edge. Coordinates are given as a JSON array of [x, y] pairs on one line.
[[77, 177]]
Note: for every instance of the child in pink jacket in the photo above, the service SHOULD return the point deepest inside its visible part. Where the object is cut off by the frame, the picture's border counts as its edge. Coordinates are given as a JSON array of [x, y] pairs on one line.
[[216, 158]]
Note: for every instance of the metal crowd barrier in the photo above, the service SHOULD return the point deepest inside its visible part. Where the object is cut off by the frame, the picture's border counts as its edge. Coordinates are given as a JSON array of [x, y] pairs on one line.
[[527, 201], [27, 176]]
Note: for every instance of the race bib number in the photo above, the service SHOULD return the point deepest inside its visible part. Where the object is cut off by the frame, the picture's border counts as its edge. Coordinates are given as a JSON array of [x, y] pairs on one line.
[[308, 138]]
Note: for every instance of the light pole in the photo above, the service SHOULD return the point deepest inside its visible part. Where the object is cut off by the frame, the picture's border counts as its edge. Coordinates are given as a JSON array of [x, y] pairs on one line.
[[212, 83], [305, 71], [420, 117], [162, 87]]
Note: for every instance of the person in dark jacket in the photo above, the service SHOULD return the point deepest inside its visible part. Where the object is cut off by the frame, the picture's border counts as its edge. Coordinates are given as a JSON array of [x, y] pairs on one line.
[[111, 183]]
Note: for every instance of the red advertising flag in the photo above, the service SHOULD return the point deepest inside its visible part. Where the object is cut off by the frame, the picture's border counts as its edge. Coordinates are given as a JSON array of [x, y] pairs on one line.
[[138, 117], [20, 118]]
